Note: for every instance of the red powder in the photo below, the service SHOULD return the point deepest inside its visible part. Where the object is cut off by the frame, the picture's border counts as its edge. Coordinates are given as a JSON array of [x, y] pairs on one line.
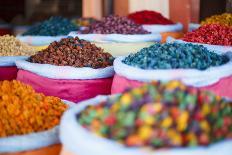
[[149, 17], [213, 34]]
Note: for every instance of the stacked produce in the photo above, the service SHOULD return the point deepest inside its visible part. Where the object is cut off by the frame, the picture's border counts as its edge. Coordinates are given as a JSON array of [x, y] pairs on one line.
[[10, 46], [115, 24], [24, 111], [73, 52], [161, 115], [149, 17], [214, 34], [223, 19], [174, 56], [54, 26]]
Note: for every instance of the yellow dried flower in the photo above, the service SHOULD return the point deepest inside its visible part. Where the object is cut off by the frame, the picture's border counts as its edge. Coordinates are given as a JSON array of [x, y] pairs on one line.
[[23, 111]]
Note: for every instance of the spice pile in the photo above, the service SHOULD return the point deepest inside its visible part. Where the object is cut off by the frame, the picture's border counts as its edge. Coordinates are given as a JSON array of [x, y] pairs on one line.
[[10, 46], [54, 26], [149, 17], [223, 19], [161, 116], [174, 56], [115, 24], [73, 52], [83, 21], [23, 111], [214, 34]]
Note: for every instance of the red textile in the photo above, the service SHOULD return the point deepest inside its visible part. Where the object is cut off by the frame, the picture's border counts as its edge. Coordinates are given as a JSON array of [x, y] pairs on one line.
[[222, 88], [72, 90], [8, 73]]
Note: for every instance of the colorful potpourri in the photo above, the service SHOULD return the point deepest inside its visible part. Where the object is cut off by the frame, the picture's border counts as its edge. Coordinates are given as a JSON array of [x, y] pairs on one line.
[[115, 25], [83, 21], [11, 46], [175, 56], [161, 115], [23, 111], [149, 17], [213, 34], [73, 52], [223, 19], [54, 26]]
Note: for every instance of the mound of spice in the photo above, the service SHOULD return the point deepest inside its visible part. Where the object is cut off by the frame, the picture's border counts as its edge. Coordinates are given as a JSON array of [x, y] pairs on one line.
[[175, 56], [10, 46], [83, 21], [73, 52], [149, 17], [223, 19], [54, 26], [115, 24], [161, 116], [214, 34], [24, 111]]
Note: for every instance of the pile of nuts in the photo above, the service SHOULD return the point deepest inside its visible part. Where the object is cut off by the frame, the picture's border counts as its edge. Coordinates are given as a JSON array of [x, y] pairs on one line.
[[161, 115], [223, 19], [73, 52], [10, 46], [214, 34], [115, 25], [23, 111], [175, 56]]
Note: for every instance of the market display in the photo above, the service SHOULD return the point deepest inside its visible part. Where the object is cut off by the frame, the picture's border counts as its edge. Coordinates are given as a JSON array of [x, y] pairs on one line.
[[10, 46], [140, 85], [214, 34], [115, 24], [175, 56], [161, 115], [222, 19], [73, 52], [24, 111], [54, 26], [149, 17]]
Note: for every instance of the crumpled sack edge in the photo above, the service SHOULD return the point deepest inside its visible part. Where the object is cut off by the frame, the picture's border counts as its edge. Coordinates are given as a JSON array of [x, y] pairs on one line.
[[65, 72], [10, 60], [192, 77], [163, 28]]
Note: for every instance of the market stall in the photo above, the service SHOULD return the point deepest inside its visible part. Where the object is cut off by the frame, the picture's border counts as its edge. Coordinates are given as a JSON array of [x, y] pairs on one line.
[[106, 82]]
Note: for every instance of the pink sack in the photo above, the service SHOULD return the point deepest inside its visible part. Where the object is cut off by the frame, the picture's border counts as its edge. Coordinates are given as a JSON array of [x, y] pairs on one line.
[[222, 88], [72, 90], [8, 73]]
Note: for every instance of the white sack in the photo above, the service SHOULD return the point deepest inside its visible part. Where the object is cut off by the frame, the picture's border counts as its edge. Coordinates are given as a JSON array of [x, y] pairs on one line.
[[157, 28], [10, 60], [193, 26], [79, 141], [31, 141], [127, 38], [217, 48], [39, 40], [192, 77], [65, 72]]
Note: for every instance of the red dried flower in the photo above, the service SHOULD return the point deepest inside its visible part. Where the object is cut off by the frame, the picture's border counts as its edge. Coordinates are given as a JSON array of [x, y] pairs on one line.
[[214, 34], [149, 17]]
